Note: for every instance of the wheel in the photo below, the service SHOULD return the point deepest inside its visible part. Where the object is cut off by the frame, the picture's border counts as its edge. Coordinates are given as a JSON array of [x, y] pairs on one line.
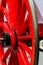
[[22, 27]]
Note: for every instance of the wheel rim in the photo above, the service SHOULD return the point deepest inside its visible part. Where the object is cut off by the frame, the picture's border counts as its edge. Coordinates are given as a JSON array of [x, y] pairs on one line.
[[22, 21]]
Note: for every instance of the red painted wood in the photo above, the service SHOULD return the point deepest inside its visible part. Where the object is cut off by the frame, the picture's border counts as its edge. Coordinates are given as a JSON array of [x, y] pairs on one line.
[[15, 16]]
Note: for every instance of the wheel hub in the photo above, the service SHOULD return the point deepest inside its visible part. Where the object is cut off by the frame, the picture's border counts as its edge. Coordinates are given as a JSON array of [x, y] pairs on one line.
[[6, 39]]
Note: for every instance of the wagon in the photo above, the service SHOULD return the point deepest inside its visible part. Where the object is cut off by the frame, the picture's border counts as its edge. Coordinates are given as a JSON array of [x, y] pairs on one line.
[[19, 33]]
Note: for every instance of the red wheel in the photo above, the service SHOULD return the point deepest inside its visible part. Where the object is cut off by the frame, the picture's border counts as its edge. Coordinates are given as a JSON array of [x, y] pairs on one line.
[[22, 27]]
